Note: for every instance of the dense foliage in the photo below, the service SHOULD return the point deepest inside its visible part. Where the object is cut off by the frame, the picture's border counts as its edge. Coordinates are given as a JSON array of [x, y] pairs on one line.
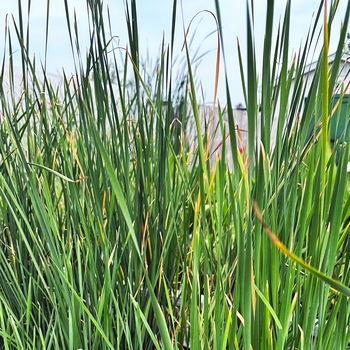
[[116, 234]]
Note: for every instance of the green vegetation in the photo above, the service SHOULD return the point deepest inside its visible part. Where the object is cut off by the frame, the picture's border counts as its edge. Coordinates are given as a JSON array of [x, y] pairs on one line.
[[115, 236]]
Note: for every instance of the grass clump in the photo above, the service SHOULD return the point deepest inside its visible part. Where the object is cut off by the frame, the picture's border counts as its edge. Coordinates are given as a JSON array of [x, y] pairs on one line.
[[116, 236]]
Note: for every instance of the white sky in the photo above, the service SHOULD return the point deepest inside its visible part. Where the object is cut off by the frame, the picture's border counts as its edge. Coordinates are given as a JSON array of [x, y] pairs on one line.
[[154, 18]]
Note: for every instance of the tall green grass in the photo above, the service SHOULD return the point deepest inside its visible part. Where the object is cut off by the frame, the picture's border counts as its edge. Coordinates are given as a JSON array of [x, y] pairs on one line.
[[115, 235]]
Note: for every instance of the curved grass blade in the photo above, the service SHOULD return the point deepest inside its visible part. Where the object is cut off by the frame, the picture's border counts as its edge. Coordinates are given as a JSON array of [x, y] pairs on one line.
[[269, 307], [63, 177], [340, 287]]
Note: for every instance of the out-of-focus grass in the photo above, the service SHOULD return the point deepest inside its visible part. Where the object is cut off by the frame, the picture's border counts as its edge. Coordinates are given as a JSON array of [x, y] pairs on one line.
[[114, 236]]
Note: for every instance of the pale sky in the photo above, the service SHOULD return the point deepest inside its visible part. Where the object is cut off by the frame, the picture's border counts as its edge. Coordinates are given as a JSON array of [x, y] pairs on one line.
[[154, 18]]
